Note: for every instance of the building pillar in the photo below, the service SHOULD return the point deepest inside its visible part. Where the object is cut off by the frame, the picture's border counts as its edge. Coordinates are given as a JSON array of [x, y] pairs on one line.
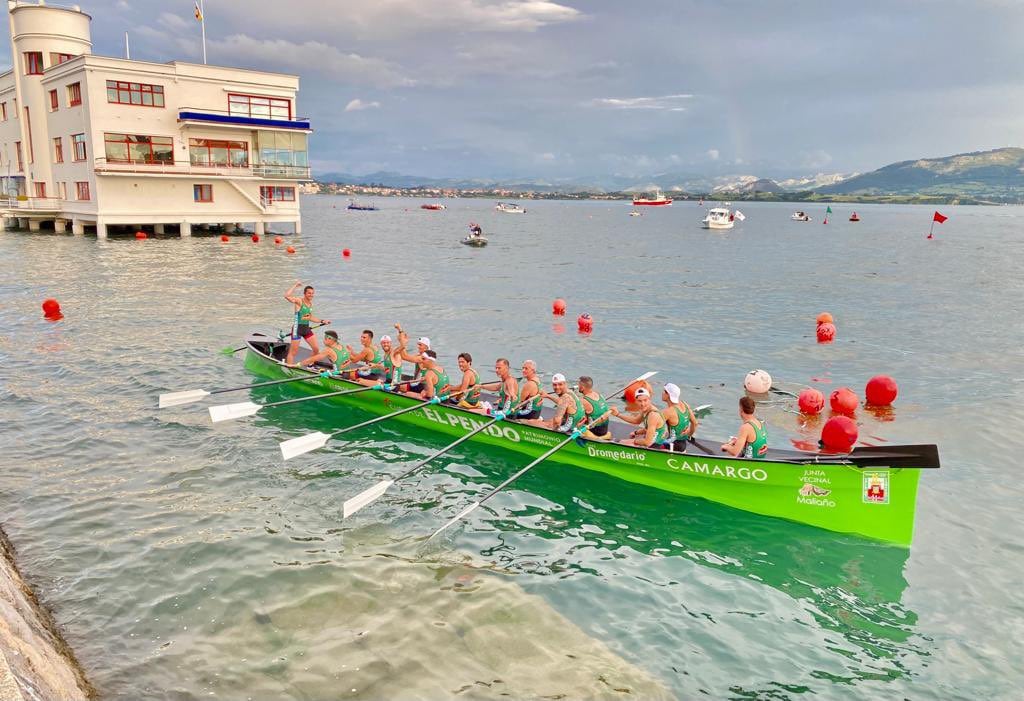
[[158, 228], [60, 226], [186, 230], [33, 224], [261, 228], [298, 226], [101, 229], [22, 223], [77, 227], [229, 228]]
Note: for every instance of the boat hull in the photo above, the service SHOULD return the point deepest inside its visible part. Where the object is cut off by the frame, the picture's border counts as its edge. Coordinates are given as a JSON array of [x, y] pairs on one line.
[[474, 241], [652, 203], [830, 496], [718, 225]]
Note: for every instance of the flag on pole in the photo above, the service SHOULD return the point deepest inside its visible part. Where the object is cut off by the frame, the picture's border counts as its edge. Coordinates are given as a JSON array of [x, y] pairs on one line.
[[939, 218], [198, 12]]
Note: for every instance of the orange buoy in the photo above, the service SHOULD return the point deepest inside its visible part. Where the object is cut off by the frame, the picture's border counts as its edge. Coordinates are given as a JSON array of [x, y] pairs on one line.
[[843, 401], [255, 238], [346, 253], [558, 307], [881, 390], [140, 235], [839, 434], [51, 308], [585, 323], [224, 238], [826, 333], [825, 318], [811, 401], [278, 240], [290, 249], [630, 394]]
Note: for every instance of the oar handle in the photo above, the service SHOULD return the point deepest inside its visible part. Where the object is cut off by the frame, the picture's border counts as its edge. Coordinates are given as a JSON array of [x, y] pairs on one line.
[[406, 410]]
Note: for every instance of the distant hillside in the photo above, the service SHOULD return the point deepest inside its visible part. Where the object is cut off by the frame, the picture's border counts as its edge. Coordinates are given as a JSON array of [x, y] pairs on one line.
[[983, 175]]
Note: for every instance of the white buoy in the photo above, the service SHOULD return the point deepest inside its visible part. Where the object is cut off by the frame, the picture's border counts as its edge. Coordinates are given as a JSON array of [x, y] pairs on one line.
[[757, 382]]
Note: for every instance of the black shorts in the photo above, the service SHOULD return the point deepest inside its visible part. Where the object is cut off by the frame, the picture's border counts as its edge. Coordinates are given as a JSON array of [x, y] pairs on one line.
[[302, 331], [531, 414], [679, 445], [418, 387], [600, 430]]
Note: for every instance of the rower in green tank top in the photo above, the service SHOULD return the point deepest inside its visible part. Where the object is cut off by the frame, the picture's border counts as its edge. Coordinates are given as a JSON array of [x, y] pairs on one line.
[[751, 441], [569, 411], [652, 432], [530, 391], [470, 385], [331, 353], [367, 353], [506, 386], [679, 418], [435, 380], [595, 406]]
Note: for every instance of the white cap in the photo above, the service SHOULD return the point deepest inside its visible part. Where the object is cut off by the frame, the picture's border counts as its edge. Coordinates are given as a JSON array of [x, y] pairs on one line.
[[425, 341], [385, 338], [673, 392], [641, 392], [557, 377]]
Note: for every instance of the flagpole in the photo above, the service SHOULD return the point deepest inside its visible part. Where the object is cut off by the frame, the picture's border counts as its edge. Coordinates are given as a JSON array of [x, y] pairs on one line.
[[127, 49], [202, 23]]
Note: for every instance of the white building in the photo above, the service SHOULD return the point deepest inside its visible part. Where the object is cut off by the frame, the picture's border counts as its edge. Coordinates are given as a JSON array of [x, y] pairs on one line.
[[107, 142]]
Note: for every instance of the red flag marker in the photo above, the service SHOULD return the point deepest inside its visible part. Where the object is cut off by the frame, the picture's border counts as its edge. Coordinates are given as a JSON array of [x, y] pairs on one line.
[[936, 218]]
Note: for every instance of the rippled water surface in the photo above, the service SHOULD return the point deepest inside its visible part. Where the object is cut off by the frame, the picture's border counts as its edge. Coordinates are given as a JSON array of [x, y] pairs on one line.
[[185, 560]]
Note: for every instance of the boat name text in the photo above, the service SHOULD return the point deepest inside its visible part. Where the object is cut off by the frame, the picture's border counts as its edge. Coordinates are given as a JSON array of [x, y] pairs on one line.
[[715, 470]]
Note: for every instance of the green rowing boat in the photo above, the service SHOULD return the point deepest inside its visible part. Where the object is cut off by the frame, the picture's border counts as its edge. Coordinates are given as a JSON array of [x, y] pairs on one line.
[[871, 492]]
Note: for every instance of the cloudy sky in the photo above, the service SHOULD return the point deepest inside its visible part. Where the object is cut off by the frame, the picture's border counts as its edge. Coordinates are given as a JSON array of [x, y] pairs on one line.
[[568, 88]]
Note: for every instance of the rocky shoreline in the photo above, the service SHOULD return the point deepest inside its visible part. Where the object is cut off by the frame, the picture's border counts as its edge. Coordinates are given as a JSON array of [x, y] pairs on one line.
[[35, 660]]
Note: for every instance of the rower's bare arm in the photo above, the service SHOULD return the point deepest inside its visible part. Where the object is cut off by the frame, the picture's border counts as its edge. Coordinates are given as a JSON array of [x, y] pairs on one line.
[[305, 362], [693, 422], [628, 418]]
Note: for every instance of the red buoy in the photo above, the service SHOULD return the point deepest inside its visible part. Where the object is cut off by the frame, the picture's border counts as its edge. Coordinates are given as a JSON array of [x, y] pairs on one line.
[[255, 238], [839, 434], [224, 238], [346, 253], [278, 240], [826, 333], [825, 318], [289, 250], [51, 308], [881, 390], [140, 235], [585, 323], [811, 401], [558, 307], [843, 401]]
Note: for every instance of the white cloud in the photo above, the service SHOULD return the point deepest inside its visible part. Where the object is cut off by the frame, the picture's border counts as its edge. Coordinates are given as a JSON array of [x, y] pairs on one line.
[[548, 156], [173, 21], [663, 102], [815, 159], [358, 105], [713, 154]]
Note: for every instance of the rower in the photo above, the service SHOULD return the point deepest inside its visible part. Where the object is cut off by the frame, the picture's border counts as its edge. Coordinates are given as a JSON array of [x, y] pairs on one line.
[[303, 315], [422, 345], [530, 391], [679, 419], [470, 390], [332, 353], [435, 381], [652, 432], [752, 438], [595, 406], [389, 369], [569, 412], [507, 387], [369, 354]]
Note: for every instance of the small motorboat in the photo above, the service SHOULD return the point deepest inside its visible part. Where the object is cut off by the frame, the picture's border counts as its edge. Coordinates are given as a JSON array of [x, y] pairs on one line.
[[854, 217], [361, 207], [434, 206], [656, 199], [722, 218], [475, 240], [510, 208], [635, 213], [800, 216]]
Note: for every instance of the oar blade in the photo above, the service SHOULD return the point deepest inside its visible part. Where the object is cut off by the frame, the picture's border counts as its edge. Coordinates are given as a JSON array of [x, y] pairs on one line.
[[365, 498], [185, 397], [645, 376], [701, 411], [458, 517], [227, 412], [303, 444]]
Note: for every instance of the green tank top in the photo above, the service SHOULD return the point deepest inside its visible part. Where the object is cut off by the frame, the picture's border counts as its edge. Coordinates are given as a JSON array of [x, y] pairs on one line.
[[537, 401], [441, 378], [378, 355], [683, 427], [473, 395], [575, 419], [304, 311], [389, 369], [342, 356], [660, 433], [759, 448], [598, 407]]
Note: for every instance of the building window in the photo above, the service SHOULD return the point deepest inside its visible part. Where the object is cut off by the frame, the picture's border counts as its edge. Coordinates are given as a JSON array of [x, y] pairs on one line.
[[34, 62], [138, 148], [211, 152], [277, 194], [40, 189], [82, 190], [74, 94], [78, 142], [58, 150], [135, 94], [3, 111], [21, 160], [57, 59], [202, 193], [54, 103], [63, 190], [259, 107]]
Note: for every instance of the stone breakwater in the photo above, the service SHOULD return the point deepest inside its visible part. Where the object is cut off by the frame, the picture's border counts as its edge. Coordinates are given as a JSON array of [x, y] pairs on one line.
[[35, 662]]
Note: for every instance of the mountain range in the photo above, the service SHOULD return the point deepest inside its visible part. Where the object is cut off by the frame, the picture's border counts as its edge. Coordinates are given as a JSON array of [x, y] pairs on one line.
[[980, 176]]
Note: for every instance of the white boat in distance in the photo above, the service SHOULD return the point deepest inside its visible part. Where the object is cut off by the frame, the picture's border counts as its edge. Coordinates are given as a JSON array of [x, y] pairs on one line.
[[721, 218], [800, 216], [510, 208]]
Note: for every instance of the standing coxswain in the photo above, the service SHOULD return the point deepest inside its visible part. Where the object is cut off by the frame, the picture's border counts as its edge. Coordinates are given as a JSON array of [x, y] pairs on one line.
[[303, 316]]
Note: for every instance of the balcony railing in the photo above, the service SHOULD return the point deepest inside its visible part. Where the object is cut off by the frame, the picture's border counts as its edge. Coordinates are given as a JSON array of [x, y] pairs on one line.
[[105, 165], [202, 114], [39, 204]]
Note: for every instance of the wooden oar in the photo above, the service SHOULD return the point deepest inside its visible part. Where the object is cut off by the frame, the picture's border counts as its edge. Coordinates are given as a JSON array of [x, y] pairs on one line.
[[368, 496], [227, 412], [194, 395], [311, 441], [229, 351], [561, 444], [914, 456]]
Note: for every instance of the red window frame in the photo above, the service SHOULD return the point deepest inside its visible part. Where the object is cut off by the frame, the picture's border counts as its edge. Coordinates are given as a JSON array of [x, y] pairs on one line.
[[122, 92], [39, 188], [82, 190], [197, 146], [136, 140], [54, 101], [3, 111], [276, 193], [78, 145], [33, 62], [74, 94], [21, 158], [241, 104], [202, 193], [58, 150], [57, 59]]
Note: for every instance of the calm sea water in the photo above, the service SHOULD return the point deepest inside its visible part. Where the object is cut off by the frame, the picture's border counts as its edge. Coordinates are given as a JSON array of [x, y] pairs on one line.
[[185, 560]]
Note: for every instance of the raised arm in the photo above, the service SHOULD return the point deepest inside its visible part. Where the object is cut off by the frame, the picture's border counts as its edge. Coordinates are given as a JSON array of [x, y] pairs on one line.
[[290, 293]]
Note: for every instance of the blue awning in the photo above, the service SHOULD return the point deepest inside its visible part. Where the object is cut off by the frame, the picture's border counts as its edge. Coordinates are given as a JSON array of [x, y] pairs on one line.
[[244, 121]]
